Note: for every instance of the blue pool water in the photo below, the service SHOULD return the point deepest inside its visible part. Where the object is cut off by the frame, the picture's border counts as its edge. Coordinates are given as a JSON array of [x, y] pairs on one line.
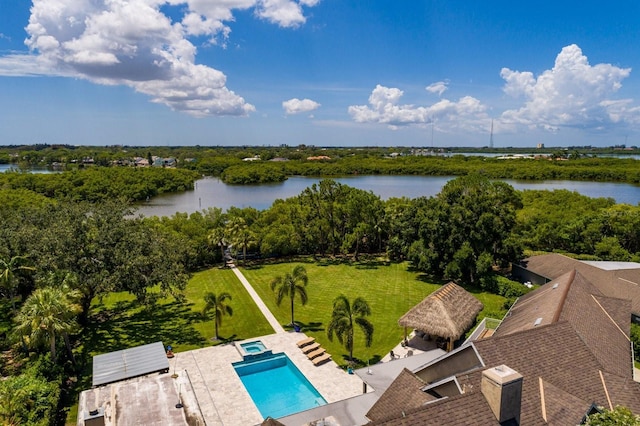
[[276, 386], [253, 347]]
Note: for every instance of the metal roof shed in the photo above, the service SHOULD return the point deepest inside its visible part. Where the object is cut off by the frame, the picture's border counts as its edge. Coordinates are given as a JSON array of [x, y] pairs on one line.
[[128, 363]]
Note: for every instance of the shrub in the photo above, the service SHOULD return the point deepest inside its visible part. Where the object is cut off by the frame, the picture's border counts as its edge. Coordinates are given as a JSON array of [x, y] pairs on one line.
[[511, 289], [29, 398], [635, 338]]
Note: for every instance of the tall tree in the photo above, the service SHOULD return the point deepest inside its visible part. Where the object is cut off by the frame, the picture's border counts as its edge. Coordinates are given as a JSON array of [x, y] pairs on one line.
[[290, 285], [109, 250], [217, 304], [345, 317], [217, 238], [469, 222], [240, 234], [47, 313], [8, 279]]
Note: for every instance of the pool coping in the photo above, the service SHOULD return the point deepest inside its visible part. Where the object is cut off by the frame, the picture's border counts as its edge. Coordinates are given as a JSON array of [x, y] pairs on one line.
[[221, 395]]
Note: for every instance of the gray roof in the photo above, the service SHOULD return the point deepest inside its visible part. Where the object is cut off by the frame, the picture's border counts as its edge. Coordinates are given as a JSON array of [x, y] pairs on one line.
[[128, 363], [380, 376]]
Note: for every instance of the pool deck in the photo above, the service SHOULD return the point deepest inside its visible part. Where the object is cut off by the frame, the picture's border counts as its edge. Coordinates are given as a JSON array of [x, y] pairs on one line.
[[221, 395]]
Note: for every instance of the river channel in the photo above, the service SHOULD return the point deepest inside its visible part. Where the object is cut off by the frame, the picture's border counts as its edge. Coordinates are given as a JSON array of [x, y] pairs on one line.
[[212, 192]]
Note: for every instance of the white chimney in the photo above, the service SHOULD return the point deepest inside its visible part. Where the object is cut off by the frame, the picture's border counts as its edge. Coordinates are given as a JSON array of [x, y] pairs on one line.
[[502, 388]]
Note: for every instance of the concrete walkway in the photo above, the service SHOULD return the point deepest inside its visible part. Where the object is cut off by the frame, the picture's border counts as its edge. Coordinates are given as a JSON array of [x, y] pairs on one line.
[[265, 311]]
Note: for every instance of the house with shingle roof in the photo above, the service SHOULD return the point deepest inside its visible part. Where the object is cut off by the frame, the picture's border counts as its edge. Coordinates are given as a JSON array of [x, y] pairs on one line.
[[614, 279], [562, 350]]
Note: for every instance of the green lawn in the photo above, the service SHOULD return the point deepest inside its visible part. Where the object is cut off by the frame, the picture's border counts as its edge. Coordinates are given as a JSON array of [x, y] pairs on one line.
[[391, 290], [120, 322]]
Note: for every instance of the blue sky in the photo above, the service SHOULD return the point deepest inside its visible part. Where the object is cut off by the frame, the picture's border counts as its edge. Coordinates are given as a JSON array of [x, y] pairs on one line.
[[319, 72]]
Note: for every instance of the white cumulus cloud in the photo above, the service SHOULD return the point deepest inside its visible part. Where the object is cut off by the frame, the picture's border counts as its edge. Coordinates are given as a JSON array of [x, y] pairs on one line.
[[283, 12], [571, 94], [438, 87], [296, 106], [133, 43], [384, 107]]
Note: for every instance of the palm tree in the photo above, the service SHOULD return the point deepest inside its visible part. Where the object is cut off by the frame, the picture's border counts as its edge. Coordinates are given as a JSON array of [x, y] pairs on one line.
[[290, 285], [7, 275], [47, 312], [216, 303], [240, 234], [217, 237], [343, 318]]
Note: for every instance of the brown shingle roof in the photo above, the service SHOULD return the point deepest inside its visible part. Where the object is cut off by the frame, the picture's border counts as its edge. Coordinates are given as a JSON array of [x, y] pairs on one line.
[[573, 298], [623, 391], [620, 283], [554, 352], [545, 303], [560, 405], [447, 312], [468, 409], [403, 394], [603, 336]]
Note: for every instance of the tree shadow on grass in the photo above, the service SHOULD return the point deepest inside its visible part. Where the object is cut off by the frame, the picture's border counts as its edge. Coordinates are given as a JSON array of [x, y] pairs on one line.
[[127, 325], [430, 279], [371, 264], [251, 266], [224, 340], [331, 261], [360, 363], [304, 327]]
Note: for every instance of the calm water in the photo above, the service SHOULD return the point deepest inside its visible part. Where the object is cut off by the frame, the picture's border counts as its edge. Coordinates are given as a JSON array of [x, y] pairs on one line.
[[5, 167], [212, 192]]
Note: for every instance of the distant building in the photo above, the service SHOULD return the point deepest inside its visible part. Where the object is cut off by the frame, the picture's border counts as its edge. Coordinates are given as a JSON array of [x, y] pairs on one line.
[[540, 146]]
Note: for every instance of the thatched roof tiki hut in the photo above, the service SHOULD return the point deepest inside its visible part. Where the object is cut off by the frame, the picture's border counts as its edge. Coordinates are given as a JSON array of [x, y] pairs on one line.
[[446, 313]]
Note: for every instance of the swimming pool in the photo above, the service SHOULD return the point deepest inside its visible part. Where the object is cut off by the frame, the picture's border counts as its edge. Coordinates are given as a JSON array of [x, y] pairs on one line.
[[253, 347], [276, 386]]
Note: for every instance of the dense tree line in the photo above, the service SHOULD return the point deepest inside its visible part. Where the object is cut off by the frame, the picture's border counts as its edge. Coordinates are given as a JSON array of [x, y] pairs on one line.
[[102, 183], [227, 162], [473, 221]]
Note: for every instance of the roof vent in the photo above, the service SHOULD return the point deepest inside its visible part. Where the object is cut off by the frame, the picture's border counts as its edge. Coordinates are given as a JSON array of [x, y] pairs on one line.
[[555, 286], [538, 321]]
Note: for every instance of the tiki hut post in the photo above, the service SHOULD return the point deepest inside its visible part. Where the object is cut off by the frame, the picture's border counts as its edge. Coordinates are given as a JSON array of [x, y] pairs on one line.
[[447, 313]]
